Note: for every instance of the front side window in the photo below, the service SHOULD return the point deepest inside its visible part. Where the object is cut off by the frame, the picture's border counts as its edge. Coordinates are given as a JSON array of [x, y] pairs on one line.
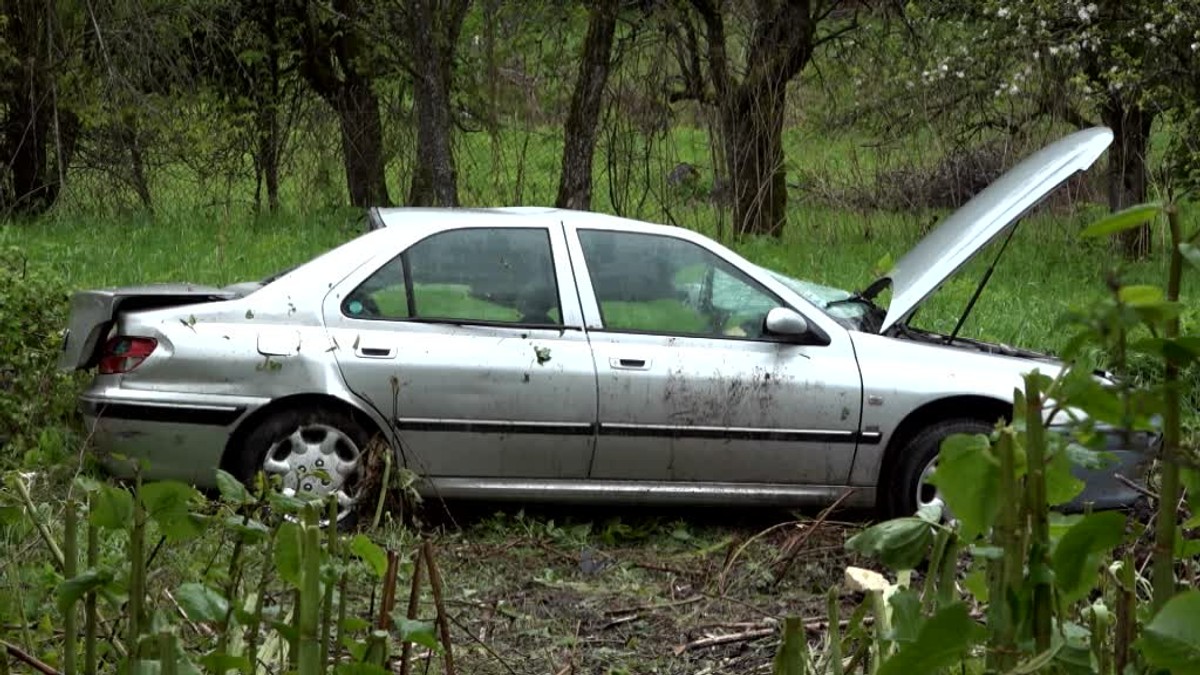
[[501, 275], [659, 284]]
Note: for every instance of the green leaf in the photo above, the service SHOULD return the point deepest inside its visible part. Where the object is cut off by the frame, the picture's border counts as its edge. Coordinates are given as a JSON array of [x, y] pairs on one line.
[[941, 642], [901, 544], [233, 491], [1141, 296], [968, 477], [169, 504], [1061, 484], [111, 508], [10, 514], [1101, 403], [360, 669], [1182, 350], [202, 603], [1191, 254], [88, 484], [1078, 554], [1122, 220], [986, 552], [218, 662], [1171, 640], [370, 553], [285, 503], [287, 552], [145, 667], [71, 590], [1190, 478], [1086, 458], [906, 615], [354, 624], [249, 530], [1037, 663], [976, 583], [416, 632], [789, 657]]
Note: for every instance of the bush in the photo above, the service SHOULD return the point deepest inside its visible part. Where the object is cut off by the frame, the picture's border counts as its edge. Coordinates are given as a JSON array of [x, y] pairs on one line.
[[948, 183], [38, 418]]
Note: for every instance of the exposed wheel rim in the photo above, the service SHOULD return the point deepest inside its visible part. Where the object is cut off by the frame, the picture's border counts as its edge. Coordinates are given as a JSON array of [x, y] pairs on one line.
[[927, 493], [316, 461]]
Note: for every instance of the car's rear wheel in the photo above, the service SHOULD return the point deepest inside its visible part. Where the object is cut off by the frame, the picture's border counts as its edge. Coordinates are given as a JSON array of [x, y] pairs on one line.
[[311, 452], [907, 488]]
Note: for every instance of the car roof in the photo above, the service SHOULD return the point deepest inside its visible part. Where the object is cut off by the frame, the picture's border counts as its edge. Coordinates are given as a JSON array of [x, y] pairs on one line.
[[381, 217]]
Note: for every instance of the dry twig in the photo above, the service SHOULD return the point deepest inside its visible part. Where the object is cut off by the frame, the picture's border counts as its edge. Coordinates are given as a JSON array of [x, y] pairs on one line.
[[714, 640], [28, 659], [790, 553]]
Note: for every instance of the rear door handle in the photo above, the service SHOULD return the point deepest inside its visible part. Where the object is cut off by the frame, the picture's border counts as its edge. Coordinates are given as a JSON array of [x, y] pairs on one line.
[[375, 352], [629, 364]]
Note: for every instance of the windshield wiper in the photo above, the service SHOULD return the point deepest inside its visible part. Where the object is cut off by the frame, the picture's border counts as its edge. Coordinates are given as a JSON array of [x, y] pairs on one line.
[[850, 299]]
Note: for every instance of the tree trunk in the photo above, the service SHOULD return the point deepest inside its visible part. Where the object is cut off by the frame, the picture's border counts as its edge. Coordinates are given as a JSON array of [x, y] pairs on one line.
[[25, 141], [751, 110], [434, 178], [333, 63], [268, 110], [266, 153], [362, 144], [575, 182], [27, 128], [752, 130], [137, 165], [1128, 175], [433, 36]]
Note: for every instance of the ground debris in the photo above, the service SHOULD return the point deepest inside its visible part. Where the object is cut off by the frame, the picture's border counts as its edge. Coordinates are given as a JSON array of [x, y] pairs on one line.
[[647, 601]]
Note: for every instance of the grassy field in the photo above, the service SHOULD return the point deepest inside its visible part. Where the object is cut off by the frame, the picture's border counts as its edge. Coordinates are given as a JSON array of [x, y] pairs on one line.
[[1046, 271]]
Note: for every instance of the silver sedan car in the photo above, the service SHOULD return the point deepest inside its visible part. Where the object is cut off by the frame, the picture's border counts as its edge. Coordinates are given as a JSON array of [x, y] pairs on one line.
[[543, 354]]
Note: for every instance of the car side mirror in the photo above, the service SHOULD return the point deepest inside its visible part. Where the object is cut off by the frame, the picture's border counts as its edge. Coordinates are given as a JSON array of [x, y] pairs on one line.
[[785, 323]]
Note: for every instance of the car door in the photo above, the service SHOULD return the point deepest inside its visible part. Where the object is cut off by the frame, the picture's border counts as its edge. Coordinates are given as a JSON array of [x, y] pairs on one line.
[[691, 388], [471, 341]]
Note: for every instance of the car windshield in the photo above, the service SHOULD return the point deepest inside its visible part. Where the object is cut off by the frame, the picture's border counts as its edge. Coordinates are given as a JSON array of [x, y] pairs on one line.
[[845, 307]]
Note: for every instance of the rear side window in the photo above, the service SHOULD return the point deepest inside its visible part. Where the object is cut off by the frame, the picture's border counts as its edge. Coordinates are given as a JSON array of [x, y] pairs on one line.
[[484, 275]]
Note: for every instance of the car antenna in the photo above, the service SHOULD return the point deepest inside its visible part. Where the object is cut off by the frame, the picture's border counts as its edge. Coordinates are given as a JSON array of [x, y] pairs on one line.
[[979, 289]]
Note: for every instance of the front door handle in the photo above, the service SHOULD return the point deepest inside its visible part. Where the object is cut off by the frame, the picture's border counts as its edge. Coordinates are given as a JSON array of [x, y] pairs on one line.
[[375, 352], [629, 364]]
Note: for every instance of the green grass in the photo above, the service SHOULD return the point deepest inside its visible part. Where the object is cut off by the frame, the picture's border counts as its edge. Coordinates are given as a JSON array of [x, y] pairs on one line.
[[193, 237], [1046, 271]]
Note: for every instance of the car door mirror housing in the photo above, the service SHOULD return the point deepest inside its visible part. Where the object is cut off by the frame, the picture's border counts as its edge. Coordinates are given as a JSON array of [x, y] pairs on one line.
[[785, 322]]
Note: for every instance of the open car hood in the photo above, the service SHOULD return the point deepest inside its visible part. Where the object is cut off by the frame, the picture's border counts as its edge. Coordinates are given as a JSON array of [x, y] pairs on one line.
[[981, 220]]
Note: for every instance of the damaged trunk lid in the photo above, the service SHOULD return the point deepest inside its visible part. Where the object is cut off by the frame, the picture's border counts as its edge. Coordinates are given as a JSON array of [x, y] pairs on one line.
[[93, 313]]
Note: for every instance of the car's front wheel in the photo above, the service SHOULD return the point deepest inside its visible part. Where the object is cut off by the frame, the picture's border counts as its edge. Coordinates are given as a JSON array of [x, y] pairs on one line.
[[311, 452], [907, 489]]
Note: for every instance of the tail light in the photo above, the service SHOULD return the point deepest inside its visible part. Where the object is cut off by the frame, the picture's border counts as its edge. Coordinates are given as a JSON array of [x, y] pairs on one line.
[[122, 354]]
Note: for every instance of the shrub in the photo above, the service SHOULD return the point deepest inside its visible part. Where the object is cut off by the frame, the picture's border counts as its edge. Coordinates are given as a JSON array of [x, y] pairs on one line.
[[37, 402]]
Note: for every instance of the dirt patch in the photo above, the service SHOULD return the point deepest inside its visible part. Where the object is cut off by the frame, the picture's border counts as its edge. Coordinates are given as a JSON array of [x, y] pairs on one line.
[[634, 596]]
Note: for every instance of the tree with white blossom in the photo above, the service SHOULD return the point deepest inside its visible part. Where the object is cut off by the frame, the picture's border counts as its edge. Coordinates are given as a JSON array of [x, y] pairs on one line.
[[1006, 64]]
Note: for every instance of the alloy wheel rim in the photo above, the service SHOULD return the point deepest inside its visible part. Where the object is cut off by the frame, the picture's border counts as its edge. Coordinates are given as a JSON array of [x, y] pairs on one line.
[[316, 461], [927, 493]]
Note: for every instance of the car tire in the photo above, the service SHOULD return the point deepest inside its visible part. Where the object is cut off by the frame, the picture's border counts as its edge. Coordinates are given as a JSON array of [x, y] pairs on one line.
[[296, 442], [903, 488]]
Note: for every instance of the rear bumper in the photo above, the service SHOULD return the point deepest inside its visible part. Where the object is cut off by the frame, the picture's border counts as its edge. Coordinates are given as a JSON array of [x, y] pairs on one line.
[[170, 436], [1130, 460]]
